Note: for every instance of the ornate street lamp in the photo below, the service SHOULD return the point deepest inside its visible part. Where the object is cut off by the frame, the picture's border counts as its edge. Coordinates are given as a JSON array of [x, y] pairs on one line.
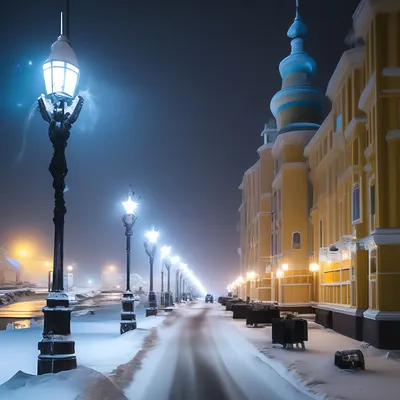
[[175, 261], [166, 261], [60, 109], [183, 268], [128, 317], [150, 247]]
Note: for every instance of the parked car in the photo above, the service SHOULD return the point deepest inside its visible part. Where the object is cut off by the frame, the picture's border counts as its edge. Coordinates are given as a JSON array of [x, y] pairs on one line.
[[209, 298]]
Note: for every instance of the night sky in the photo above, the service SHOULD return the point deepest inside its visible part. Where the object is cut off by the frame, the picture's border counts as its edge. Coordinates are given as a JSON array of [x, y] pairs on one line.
[[177, 95]]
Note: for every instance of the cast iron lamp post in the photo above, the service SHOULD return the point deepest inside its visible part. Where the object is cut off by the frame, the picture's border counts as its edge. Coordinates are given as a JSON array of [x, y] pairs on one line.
[[175, 261], [60, 109], [128, 317], [166, 261], [150, 247], [184, 269]]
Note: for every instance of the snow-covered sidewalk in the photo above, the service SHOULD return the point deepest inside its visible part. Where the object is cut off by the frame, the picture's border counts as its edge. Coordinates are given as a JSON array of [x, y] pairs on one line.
[[314, 367], [98, 343]]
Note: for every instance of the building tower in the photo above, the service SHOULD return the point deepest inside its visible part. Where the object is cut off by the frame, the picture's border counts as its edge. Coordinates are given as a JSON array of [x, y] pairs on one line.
[[299, 108]]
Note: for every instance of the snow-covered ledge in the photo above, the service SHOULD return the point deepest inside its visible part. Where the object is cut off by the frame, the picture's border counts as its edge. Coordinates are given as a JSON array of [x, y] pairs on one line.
[[343, 310], [382, 315]]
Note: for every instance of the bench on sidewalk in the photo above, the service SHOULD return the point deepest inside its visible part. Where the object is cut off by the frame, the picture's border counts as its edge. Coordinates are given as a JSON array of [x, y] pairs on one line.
[[289, 332], [262, 315], [231, 302]]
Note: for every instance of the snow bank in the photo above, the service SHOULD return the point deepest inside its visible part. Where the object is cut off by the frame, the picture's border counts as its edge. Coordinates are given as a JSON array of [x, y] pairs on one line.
[[98, 344], [314, 369], [82, 383]]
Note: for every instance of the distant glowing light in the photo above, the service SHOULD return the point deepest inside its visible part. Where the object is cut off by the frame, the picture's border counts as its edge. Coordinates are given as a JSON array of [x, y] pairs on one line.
[[165, 251], [111, 268], [285, 267], [47, 264], [152, 236], [314, 267], [118, 287], [130, 205], [251, 275], [89, 281], [280, 273], [175, 260], [23, 252], [70, 268], [30, 62]]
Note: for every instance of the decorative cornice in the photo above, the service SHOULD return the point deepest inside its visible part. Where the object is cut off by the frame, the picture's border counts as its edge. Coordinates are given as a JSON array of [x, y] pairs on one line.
[[318, 135], [350, 60], [382, 315], [365, 102], [291, 138]]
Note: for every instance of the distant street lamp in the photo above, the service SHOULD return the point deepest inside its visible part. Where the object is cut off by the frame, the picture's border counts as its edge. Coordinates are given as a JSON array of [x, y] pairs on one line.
[[175, 261], [128, 317], [166, 261], [150, 247], [70, 278], [184, 269], [60, 109]]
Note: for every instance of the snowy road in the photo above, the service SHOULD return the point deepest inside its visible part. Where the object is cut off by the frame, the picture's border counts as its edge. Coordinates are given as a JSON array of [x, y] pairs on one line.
[[204, 357]]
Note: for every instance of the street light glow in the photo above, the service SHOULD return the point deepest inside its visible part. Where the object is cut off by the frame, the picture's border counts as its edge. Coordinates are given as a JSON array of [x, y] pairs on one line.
[[165, 251], [152, 236], [285, 267], [175, 260], [70, 268], [314, 267], [251, 275], [130, 205], [279, 273]]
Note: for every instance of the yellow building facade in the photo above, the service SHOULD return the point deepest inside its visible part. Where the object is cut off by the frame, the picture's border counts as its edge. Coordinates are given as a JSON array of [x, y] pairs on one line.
[[334, 204]]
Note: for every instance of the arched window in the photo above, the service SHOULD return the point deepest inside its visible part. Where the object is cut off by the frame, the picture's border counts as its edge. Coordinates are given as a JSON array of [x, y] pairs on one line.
[[296, 240]]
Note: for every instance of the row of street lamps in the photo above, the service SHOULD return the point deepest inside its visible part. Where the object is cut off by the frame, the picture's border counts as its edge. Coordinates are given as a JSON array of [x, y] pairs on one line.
[[60, 109]]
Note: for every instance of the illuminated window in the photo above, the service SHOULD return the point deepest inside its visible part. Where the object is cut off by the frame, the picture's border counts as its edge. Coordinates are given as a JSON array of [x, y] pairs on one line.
[[296, 241], [356, 203]]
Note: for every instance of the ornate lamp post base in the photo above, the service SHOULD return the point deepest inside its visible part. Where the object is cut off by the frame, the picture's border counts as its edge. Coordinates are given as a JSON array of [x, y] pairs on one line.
[[128, 316], [152, 308], [57, 350]]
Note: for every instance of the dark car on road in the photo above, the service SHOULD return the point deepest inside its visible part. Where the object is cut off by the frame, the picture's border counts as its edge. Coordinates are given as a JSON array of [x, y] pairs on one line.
[[209, 298]]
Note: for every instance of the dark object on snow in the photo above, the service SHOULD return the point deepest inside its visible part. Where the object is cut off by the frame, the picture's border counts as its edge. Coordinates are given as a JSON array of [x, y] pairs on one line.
[[258, 315], [240, 310], [231, 302], [288, 332], [91, 312], [209, 298], [349, 359], [222, 300]]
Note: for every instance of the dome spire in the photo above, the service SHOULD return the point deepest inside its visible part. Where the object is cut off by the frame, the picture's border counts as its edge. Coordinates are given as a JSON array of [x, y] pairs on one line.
[[298, 29]]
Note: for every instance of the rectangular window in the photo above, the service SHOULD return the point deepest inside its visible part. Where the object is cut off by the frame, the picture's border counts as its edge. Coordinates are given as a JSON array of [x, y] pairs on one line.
[[338, 122], [356, 203], [372, 199], [320, 234], [372, 261]]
